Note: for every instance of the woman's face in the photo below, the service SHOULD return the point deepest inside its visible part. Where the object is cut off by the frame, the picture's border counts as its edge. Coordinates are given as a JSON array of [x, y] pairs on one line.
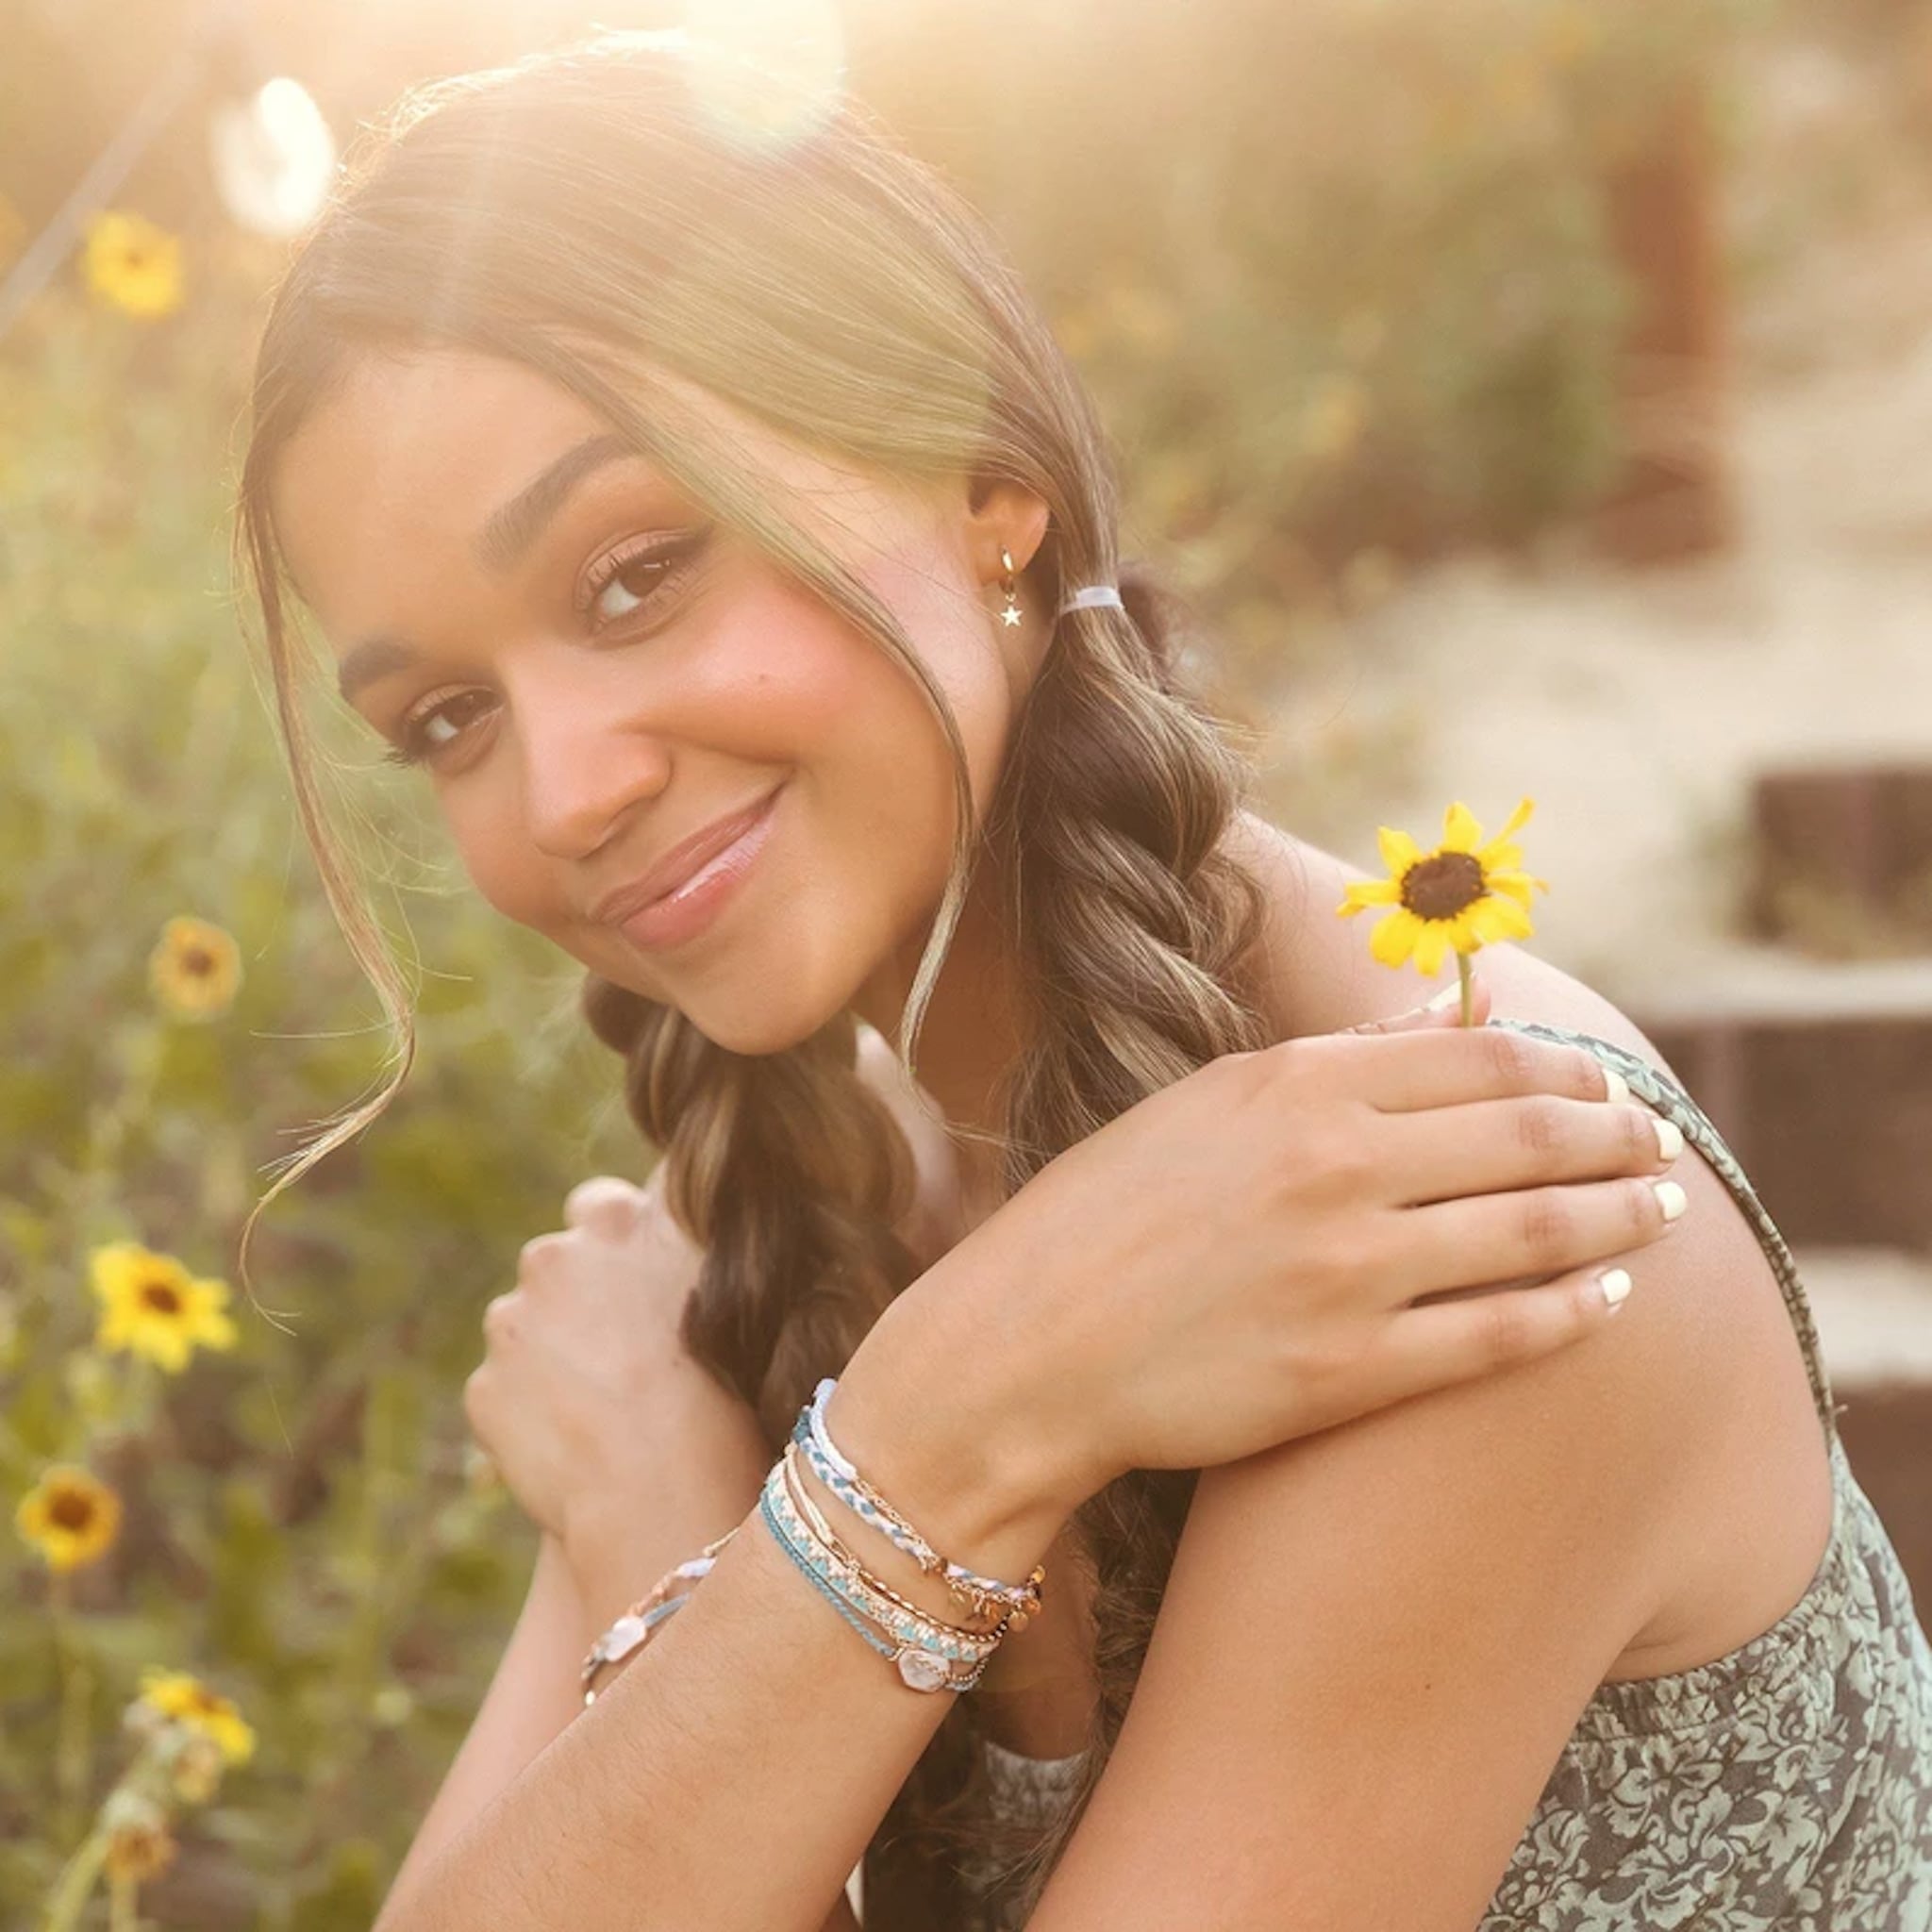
[[590, 671]]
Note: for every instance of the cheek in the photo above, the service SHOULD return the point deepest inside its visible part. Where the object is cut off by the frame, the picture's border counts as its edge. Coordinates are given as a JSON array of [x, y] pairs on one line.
[[497, 854]]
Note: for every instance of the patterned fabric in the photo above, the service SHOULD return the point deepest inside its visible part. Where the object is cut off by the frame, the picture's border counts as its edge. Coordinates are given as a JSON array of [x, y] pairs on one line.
[[1786, 1786]]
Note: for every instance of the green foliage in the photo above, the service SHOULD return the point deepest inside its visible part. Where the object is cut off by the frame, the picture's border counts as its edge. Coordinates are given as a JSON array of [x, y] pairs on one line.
[[300, 1531]]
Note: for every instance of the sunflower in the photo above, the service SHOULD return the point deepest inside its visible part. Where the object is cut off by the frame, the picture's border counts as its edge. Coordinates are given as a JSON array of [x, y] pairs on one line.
[[133, 264], [152, 1306], [70, 1516], [1462, 895], [194, 969], [188, 1700]]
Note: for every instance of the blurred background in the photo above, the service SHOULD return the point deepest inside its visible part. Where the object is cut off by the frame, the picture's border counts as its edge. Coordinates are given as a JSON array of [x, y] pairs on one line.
[[1533, 396]]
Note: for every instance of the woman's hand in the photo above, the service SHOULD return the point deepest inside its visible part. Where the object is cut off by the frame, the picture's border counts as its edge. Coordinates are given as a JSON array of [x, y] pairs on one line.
[[1237, 1259], [586, 1398]]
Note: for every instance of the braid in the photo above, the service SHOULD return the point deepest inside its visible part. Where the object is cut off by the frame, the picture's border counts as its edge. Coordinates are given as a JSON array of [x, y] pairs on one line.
[[790, 1173]]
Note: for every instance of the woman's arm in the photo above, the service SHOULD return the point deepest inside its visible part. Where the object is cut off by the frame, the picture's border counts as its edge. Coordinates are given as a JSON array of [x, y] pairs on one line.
[[532, 1697], [733, 1770]]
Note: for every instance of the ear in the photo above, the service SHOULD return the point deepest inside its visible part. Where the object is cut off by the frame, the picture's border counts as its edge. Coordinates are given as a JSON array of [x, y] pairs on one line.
[[1001, 515]]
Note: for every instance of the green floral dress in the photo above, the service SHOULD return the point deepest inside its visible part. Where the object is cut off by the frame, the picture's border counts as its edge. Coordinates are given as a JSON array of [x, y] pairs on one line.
[[1786, 1786]]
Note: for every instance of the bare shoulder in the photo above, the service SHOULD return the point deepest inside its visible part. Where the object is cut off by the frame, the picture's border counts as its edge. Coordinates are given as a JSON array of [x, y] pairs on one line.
[[1700, 1385]]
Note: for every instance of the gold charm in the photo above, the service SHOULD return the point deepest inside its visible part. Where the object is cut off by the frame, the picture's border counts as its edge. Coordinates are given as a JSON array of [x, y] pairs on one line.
[[1011, 613]]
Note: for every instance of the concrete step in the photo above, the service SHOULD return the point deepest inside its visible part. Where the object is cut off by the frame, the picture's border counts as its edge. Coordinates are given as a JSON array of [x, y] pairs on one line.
[[1872, 1308], [1818, 1074]]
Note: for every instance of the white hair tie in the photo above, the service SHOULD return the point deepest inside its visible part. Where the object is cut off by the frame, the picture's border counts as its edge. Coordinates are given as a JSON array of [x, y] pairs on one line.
[[1094, 597]]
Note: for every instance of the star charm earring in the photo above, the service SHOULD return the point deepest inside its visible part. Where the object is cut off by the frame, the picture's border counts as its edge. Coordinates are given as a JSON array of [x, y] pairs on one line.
[[1011, 613]]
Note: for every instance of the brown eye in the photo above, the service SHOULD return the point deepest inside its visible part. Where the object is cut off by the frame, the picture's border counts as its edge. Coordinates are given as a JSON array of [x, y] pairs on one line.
[[637, 575]]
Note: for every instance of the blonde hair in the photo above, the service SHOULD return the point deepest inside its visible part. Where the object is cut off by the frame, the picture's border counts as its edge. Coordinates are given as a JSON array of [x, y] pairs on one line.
[[581, 212]]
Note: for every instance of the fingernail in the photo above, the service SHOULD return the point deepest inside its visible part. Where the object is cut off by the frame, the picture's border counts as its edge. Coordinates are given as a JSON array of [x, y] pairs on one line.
[[1443, 998], [1670, 1198], [1620, 1087], [1615, 1284], [1670, 1137]]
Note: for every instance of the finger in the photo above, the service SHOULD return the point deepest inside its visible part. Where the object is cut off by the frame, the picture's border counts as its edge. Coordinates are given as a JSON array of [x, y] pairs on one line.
[[1444, 1008], [1445, 1343], [1532, 1233], [501, 1315], [1488, 1147], [605, 1204], [1416, 1067]]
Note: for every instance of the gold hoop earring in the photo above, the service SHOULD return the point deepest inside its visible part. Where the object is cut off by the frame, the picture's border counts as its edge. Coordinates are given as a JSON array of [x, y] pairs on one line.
[[1011, 612]]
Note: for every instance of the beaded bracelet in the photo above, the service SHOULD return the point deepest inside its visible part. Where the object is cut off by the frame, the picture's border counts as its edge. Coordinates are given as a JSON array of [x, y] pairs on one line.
[[837, 1473], [802, 1501], [907, 1621], [924, 1655]]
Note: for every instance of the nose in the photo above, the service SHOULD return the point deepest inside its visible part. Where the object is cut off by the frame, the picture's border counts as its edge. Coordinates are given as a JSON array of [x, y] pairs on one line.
[[584, 769]]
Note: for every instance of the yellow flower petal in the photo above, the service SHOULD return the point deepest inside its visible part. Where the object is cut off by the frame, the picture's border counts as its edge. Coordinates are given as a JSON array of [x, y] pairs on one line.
[[1461, 832], [1395, 939], [1399, 851], [1492, 853], [1430, 947], [1373, 892]]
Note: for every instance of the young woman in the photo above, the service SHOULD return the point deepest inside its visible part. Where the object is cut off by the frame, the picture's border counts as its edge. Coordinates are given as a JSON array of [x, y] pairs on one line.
[[688, 487]]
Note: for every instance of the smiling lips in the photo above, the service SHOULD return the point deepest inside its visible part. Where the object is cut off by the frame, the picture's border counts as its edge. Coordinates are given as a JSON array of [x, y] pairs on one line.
[[680, 864]]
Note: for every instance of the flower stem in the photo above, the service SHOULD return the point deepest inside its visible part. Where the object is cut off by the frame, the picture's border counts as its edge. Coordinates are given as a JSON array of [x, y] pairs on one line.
[[73, 1749], [121, 1916], [1468, 985], [76, 1881]]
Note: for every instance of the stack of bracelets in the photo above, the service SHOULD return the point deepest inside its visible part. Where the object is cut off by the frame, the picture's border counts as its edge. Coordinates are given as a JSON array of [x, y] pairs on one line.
[[928, 1652]]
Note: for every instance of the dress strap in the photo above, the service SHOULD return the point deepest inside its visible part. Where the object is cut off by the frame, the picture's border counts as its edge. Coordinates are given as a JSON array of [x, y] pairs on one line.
[[1664, 1095]]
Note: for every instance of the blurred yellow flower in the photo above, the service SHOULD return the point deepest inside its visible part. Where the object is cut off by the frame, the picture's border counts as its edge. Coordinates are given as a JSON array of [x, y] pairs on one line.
[[151, 1306], [189, 1701], [70, 1516], [194, 969], [133, 264], [1462, 895]]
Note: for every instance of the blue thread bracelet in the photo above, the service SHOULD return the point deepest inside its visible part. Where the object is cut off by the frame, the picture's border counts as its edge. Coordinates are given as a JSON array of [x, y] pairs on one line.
[[1023, 1601], [921, 1661]]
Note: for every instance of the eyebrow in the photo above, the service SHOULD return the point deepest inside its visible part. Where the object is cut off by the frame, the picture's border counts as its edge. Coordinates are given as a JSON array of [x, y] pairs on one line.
[[506, 536]]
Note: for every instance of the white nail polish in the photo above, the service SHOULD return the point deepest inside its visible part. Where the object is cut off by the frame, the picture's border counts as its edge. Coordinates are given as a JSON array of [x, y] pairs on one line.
[[1615, 1283], [1670, 1137], [1670, 1198], [1620, 1087]]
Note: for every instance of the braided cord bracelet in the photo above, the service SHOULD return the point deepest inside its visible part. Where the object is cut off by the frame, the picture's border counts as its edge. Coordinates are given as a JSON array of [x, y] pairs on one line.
[[838, 1474]]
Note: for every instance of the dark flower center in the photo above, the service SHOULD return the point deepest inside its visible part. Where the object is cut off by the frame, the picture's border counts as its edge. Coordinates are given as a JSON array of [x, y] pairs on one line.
[[1442, 885], [197, 962], [159, 1295], [71, 1509]]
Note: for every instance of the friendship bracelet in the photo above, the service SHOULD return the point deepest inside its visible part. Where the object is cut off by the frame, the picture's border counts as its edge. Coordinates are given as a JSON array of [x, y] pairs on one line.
[[802, 1501], [907, 1622], [921, 1666], [836, 1471]]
